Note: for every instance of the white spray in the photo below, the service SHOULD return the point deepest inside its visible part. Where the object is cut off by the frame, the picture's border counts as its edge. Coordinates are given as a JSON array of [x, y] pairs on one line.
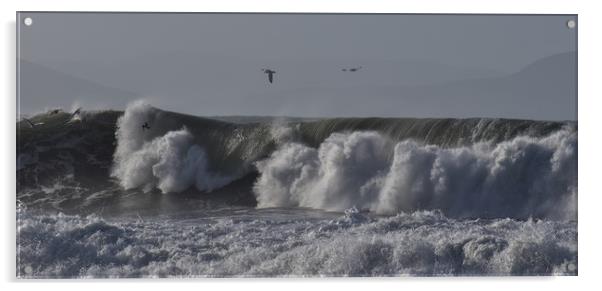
[[170, 162], [521, 177]]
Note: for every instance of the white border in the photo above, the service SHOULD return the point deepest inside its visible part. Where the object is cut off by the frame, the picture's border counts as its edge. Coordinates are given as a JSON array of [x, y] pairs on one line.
[[589, 24]]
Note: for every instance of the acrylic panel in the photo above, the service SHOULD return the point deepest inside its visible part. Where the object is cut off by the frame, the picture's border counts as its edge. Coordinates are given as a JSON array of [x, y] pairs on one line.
[[295, 145]]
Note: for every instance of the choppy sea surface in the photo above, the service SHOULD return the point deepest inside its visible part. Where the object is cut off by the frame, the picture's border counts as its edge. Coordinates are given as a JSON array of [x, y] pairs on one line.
[[101, 197], [291, 242]]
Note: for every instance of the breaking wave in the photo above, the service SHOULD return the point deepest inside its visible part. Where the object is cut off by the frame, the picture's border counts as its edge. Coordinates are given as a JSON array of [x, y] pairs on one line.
[[464, 167], [171, 162], [175, 195], [521, 177]]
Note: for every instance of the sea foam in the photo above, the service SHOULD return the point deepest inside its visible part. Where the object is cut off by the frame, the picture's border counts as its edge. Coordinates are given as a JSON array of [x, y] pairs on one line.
[[171, 162], [422, 243], [521, 177]]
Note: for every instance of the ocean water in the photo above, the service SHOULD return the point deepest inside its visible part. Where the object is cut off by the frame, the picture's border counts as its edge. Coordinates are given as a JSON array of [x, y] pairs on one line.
[[99, 196]]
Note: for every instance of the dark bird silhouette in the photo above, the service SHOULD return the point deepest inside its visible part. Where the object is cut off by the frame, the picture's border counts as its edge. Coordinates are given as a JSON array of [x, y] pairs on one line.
[[76, 112], [31, 124], [145, 126], [351, 69], [270, 74], [75, 116]]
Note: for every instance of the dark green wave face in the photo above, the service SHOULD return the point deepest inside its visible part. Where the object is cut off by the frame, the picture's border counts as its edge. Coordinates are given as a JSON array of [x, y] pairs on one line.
[[69, 165], [446, 132], [231, 145]]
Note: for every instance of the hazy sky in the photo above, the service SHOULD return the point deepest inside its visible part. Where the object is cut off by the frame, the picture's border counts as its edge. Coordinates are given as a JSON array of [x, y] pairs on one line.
[[193, 62]]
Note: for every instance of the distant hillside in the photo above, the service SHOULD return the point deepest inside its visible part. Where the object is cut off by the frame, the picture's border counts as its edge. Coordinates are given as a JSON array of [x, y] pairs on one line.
[[237, 86], [42, 87], [545, 88]]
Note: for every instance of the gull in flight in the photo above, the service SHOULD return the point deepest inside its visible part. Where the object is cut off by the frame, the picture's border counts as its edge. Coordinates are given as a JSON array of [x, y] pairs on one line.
[[351, 69], [75, 116], [31, 124], [270, 74]]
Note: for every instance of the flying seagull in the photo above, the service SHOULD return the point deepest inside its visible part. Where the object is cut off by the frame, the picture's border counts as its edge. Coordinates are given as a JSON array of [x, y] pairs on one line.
[[145, 126], [351, 69], [270, 74], [31, 124], [75, 116], [77, 111]]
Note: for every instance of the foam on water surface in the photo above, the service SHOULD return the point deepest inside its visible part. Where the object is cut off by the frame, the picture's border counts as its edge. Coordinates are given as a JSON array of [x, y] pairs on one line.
[[200, 197], [273, 244]]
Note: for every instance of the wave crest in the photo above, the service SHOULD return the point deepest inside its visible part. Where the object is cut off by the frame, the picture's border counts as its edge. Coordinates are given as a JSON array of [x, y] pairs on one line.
[[520, 177], [171, 162]]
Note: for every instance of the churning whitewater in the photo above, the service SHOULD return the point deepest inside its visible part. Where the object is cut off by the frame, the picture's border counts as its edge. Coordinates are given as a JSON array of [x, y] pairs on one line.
[[103, 196], [171, 163], [521, 177]]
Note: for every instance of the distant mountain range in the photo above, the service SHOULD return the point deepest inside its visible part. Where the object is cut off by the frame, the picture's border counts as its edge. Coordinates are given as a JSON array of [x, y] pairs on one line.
[[41, 87], [545, 89]]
